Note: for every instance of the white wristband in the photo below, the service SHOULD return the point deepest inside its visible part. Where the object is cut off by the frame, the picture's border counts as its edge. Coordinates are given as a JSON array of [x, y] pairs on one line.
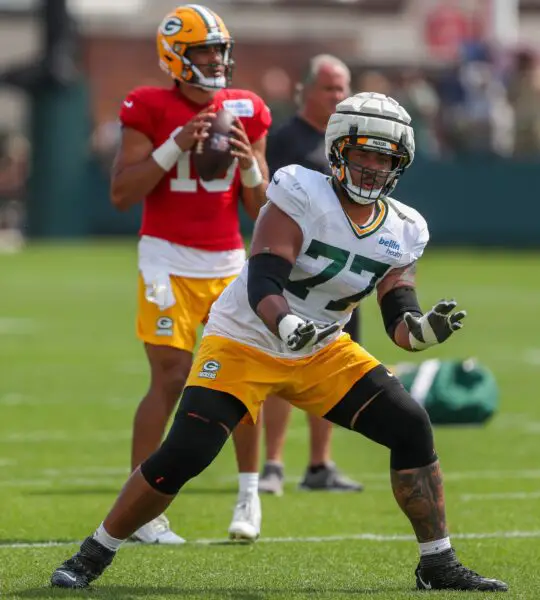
[[251, 177], [168, 153], [288, 325]]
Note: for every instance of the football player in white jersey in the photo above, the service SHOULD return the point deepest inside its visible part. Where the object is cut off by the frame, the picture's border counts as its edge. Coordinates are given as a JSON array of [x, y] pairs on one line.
[[320, 245]]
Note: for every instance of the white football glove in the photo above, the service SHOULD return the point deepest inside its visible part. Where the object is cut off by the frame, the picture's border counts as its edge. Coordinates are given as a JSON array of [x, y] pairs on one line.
[[435, 327], [298, 334]]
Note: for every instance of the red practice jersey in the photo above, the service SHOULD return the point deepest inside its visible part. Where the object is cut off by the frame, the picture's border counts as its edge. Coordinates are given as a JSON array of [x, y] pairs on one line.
[[182, 208]]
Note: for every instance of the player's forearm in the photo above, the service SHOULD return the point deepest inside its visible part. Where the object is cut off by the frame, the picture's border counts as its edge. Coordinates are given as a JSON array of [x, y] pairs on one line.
[[397, 297], [254, 183], [253, 199], [267, 277], [401, 337], [271, 309], [133, 183]]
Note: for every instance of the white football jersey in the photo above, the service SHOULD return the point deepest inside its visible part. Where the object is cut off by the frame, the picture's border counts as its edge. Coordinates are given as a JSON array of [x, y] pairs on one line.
[[339, 263]]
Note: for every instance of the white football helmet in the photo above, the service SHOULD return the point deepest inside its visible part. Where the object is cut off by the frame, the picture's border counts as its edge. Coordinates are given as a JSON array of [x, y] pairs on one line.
[[373, 122]]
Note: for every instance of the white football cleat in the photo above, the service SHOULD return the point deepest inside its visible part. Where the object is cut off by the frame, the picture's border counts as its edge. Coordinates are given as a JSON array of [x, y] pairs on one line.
[[246, 522], [157, 531]]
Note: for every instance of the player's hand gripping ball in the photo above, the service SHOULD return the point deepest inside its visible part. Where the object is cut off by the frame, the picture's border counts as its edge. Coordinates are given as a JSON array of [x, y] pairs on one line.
[[212, 156]]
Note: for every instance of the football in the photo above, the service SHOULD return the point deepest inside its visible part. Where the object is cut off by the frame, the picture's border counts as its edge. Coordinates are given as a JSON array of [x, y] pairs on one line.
[[213, 157]]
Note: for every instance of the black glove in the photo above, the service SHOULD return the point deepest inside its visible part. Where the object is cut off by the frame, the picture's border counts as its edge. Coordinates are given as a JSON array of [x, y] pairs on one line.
[[436, 326]]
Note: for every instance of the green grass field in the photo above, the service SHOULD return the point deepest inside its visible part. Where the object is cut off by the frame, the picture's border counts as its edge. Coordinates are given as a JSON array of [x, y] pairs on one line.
[[72, 372]]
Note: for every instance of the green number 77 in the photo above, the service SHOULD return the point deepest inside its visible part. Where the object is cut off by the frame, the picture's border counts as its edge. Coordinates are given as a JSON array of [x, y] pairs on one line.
[[339, 258]]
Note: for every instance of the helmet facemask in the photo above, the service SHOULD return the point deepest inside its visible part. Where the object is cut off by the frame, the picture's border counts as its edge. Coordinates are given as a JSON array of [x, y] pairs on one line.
[[371, 122], [192, 73], [209, 82], [373, 183]]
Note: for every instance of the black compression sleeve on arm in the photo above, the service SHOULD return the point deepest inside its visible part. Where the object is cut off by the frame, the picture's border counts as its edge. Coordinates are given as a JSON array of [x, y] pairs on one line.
[[395, 303], [267, 276]]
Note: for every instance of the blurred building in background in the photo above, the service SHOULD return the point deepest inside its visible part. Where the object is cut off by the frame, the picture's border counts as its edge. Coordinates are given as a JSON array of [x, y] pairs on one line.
[[467, 71]]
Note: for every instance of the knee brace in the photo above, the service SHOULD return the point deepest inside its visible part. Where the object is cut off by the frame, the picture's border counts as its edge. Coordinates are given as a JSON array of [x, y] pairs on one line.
[[416, 448], [392, 419], [201, 427]]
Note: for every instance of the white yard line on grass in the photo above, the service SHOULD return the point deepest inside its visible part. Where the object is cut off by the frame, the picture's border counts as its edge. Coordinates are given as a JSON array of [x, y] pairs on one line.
[[448, 475], [463, 475], [41, 436], [17, 326], [365, 537], [107, 475], [500, 496], [72, 481], [532, 356], [18, 399], [15, 399], [91, 470]]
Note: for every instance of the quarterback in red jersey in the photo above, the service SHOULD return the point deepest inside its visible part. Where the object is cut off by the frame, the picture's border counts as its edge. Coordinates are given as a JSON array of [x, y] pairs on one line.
[[190, 247]]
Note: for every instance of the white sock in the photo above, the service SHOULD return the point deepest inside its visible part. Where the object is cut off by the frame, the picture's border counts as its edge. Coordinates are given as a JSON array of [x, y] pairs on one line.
[[274, 463], [106, 540], [435, 547], [248, 483]]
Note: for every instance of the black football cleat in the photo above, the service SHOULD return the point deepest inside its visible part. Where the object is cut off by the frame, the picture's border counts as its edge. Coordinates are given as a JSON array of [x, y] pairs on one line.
[[83, 567], [444, 572], [329, 479]]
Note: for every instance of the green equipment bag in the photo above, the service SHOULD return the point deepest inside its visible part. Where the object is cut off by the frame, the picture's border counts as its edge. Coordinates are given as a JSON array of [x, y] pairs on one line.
[[452, 391]]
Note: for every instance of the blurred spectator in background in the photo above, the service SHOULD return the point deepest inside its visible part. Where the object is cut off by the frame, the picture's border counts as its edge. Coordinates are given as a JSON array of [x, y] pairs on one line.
[[278, 94], [14, 162], [475, 115], [374, 81], [105, 141], [524, 97], [484, 118], [418, 96], [107, 134], [421, 101], [300, 140], [451, 96]]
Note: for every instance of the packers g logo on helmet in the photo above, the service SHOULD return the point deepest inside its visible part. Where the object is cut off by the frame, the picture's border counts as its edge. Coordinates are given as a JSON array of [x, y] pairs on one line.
[[171, 25], [187, 27]]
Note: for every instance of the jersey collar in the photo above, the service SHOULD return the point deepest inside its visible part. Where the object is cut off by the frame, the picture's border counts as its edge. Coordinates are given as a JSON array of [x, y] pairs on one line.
[[362, 231]]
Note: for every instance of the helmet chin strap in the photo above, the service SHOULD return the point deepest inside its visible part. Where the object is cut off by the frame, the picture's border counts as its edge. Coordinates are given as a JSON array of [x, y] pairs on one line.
[[209, 83], [360, 196]]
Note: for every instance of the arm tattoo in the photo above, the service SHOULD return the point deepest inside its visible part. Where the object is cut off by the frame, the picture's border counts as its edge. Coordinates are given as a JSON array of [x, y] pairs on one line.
[[395, 278], [420, 495], [408, 275]]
